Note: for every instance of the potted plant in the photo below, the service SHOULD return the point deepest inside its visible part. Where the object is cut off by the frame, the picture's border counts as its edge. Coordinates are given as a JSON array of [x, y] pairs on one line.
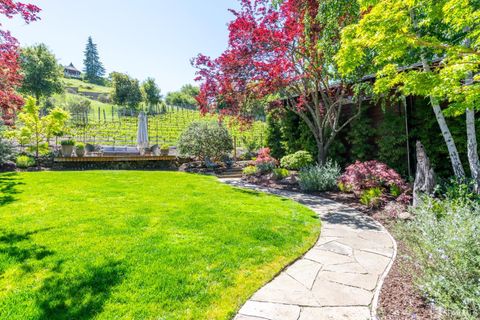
[[80, 149], [164, 150], [67, 147]]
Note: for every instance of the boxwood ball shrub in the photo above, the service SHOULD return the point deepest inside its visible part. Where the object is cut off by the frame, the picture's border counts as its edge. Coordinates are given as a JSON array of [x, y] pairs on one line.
[[297, 161], [280, 173], [250, 170], [319, 178], [25, 162], [205, 139], [446, 239]]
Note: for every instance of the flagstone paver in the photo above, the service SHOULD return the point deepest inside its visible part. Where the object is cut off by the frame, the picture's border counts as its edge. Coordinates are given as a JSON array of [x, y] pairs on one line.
[[338, 279]]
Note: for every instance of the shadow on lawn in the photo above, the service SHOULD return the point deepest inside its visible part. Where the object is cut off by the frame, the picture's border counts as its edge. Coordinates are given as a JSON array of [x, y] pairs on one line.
[[18, 248], [81, 296], [8, 184]]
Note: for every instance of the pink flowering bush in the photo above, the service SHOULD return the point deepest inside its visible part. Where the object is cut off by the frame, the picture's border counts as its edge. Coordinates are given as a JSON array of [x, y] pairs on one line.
[[362, 176], [265, 162]]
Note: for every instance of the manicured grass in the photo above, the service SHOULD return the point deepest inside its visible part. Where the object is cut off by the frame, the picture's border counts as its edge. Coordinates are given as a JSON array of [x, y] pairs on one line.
[[140, 245]]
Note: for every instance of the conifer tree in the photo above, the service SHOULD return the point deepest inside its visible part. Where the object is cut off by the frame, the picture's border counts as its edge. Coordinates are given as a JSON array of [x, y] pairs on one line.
[[94, 70]]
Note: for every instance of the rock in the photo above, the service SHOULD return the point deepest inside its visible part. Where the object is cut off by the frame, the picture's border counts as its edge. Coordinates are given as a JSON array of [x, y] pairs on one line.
[[290, 180], [405, 215], [8, 166], [183, 167], [396, 210]]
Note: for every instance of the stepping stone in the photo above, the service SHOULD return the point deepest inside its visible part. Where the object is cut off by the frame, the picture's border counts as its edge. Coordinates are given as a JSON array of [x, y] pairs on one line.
[[286, 290], [363, 281], [266, 310], [386, 252], [337, 247], [327, 257], [324, 240], [360, 243], [351, 267], [373, 262], [304, 271], [339, 313], [331, 294], [242, 317]]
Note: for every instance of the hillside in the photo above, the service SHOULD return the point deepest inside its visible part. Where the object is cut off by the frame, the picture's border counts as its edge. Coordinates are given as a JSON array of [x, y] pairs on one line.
[[85, 86]]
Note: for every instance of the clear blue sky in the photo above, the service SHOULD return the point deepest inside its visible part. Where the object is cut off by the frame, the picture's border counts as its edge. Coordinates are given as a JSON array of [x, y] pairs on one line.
[[143, 38]]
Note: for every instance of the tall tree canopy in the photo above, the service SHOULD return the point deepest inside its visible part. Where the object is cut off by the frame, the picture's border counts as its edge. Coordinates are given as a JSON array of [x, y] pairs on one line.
[[93, 68], [10, 77], [444, 36], [185, 97], [42, 74], [151, 92], [126, 90], [284, 52]]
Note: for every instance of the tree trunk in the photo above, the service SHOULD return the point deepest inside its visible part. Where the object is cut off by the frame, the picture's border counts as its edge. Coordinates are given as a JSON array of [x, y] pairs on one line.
[[424, 178], [447, 135], [472, 149], [472, 135], [322, 155]]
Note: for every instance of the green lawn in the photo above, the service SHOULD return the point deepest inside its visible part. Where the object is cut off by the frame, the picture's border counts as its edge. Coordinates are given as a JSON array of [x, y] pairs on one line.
[[140, 245]]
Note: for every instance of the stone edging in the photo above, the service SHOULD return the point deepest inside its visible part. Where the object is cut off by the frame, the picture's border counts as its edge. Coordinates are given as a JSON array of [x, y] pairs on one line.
[[339, 278]]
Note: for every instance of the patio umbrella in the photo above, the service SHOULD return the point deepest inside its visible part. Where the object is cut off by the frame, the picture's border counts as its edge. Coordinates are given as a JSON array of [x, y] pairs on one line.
[[142, 133]]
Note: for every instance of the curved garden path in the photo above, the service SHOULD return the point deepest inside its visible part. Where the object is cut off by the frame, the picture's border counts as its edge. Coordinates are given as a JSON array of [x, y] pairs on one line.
[[339, 278]]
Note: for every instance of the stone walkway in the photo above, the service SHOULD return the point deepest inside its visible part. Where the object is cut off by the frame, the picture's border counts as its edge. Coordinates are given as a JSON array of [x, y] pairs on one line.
[[339, 278]]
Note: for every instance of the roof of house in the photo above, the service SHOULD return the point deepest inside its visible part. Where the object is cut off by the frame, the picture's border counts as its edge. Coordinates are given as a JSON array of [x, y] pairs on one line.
[[71, 67]]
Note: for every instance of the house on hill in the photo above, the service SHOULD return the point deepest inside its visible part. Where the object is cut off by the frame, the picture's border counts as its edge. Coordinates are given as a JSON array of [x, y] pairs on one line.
[[71, 72]]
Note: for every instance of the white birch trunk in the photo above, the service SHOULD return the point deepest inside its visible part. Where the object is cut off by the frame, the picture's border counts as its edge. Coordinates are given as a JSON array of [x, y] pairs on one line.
[[447, 135], [472, 149], [472, 136]]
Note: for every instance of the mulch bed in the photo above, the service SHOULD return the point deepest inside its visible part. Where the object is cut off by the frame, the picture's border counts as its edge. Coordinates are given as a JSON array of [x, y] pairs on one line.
[[399, 298]]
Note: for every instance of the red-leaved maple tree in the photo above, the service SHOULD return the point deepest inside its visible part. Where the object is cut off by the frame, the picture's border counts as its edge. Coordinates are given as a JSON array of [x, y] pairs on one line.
[[10, 77], [283, 53]]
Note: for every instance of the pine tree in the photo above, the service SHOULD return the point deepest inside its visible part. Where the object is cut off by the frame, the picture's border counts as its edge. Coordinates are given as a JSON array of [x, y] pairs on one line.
[[94, 70]]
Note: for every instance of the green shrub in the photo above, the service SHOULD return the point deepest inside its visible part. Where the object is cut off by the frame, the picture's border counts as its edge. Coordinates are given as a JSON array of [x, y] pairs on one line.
[[104, 98], [68, 142], [319, 178], [395, 191], [371, 197], [205, 140], [460, 192], [297, 161], [280, 173], [250, 170], [78, 105], [80, 145], [24, 162], [7, 150], [446, 239], [165, 147]]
